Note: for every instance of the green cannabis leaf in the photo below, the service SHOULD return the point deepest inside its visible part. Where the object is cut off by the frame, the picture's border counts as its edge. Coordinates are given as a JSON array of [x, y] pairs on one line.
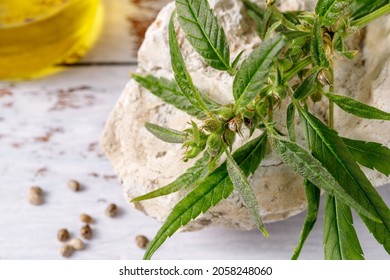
[[204, 32], [262, 17], [182, 76], [171, 93], [331, 11], [209, 192], [370, 154], [291, 122], [357, 108], [340, 238], [250, 79], [165, 134], [331, 151], [246, 192], [313, 202], [307, 86], [300, 161]]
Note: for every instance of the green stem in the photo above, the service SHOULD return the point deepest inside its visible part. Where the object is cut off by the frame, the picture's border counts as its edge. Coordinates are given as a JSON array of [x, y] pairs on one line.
[[361, 22], [270, 109], [297, 67], [331, 103]]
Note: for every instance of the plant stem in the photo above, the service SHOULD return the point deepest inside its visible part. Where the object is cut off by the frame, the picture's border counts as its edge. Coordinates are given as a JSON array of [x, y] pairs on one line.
[[331, 103], [361, 22], [270, 109], [297, 67]]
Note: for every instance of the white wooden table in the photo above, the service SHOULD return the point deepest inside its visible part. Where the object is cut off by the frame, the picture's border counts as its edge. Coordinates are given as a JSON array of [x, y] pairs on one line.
[[49, 130]]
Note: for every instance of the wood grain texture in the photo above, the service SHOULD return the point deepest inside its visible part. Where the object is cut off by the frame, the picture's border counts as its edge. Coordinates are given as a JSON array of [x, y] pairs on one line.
[[49, 130]]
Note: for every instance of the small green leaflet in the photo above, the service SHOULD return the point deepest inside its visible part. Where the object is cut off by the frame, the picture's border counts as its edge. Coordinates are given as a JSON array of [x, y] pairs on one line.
[[209, 192], [191, 177], [340, 46], [300, 161], [291, 122], [170, 93], [340, 238], [357, 108], [251, 77], [313, 195], [331, 11], [241, 184], [204, 32], [262, 17], [334, 155], [370, 154], [236, 61], [166, 134], [317, 47], [182, 76], [307, 86], [271, 30]]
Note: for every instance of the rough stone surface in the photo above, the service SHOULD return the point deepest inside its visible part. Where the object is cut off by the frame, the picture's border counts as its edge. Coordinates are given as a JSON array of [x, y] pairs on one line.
[[144, 163]]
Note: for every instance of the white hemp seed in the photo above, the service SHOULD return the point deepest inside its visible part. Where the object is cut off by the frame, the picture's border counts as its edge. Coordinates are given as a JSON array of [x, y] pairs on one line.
[[77, 244], [66, 250], [74, 185]]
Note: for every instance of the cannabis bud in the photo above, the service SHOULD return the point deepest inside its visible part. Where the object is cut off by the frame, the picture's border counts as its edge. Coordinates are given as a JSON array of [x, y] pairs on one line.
[[214, 144]]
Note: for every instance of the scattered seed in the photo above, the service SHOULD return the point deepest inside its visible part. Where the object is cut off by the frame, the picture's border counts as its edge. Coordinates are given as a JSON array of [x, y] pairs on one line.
[[66, 250], [142, 241], [35, 195], [86, 232], [36, 190], [74, 185], [77, 244], [85, 218], [63, 235], [111, 210]]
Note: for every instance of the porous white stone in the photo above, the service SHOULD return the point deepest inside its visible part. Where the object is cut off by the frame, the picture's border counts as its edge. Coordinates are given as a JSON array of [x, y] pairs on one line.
[[144, 163]]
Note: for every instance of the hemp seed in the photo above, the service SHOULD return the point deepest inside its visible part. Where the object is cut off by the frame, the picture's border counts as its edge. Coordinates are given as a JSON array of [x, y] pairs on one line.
[[74, 185], [142, 241], [86, 232], [111, 210], [85, 218], [66, 250], [63, 235], [35, 196], [77, 244]]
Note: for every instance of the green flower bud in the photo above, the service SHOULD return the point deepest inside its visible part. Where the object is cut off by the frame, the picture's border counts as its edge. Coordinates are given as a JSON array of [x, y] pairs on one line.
[[214, 144], [229, 137], [317, 96], [225, 113], [213, 125], [285, 64], [192, 153], [249, 114]]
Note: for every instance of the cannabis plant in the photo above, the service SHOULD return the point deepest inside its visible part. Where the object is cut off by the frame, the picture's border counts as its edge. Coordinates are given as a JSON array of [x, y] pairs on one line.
[[294, 64]]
